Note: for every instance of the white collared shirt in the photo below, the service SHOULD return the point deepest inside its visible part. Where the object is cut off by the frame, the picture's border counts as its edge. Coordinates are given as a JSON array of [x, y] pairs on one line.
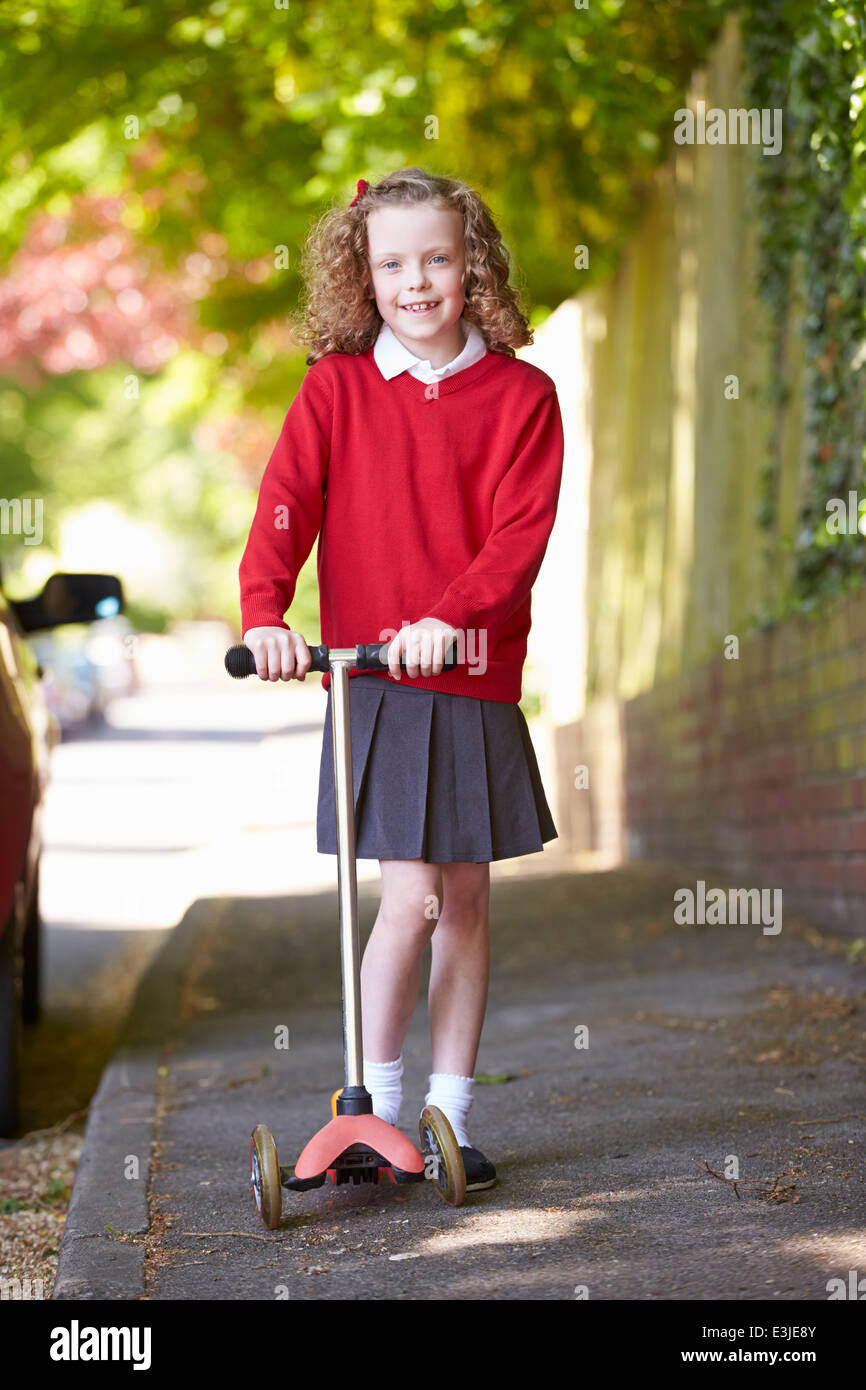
[[392, 357]]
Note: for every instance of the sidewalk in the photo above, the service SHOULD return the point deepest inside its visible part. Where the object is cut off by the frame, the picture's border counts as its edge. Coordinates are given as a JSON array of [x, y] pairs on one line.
[[704, 1042]]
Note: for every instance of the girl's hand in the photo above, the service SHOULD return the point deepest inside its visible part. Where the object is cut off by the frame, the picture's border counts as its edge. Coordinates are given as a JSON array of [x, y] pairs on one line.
[[280, 653], [425, 643]]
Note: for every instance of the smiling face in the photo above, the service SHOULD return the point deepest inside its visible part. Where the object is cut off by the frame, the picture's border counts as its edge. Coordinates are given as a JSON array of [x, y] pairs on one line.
[[416, 257]]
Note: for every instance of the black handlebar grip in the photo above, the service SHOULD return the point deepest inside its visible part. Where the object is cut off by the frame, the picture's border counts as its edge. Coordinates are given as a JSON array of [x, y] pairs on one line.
[[370, 660], [240, 662]]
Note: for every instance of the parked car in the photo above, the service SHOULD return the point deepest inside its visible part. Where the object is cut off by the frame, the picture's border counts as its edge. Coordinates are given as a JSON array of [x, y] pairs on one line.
[[28, 731], [70, 681], [85, 669]]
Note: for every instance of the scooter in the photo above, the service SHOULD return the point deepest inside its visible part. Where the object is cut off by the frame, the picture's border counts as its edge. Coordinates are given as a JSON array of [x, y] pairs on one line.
[[356, 1146]]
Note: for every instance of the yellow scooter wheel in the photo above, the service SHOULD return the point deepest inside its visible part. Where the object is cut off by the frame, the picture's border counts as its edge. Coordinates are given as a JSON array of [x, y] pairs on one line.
[[438, 1141], [265, 1177]]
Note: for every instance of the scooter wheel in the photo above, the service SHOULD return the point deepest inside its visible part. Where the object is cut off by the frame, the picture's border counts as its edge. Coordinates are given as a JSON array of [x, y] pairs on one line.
[[265, 1177], [437, 1139]]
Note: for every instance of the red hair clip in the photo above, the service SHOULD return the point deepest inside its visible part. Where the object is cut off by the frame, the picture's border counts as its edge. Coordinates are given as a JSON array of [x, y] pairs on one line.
[[362, 188]]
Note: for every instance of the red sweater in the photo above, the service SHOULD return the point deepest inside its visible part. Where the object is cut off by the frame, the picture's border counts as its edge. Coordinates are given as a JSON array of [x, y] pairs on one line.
[[428, 501]]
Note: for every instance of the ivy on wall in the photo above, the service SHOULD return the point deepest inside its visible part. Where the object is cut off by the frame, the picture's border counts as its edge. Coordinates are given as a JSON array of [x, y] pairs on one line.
[[808, 57]]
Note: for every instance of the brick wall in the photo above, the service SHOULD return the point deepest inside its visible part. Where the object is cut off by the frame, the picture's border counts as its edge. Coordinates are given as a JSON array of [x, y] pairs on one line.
[[756, 766]]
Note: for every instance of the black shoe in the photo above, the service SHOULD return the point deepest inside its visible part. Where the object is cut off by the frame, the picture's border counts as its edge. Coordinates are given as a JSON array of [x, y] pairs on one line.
[[480, 1172]]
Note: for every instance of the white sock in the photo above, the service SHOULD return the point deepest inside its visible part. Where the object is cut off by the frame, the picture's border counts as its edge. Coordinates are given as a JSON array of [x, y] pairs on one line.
[[384, 1081], [453, 1096]]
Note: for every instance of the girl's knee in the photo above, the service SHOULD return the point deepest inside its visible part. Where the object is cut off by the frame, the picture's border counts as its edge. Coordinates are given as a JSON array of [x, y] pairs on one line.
[[466, 890], [411, 895]]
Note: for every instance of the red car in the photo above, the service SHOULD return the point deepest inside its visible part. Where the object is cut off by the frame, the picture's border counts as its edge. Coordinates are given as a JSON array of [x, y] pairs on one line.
[[28, 732]]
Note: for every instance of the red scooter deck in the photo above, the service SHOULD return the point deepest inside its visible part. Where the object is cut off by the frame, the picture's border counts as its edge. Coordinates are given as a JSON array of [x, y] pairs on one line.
[[325, 1147]]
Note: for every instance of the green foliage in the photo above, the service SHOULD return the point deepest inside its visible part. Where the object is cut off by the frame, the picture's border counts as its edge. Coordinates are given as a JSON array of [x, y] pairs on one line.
[[251, 119], [223, 130], [809, 59]]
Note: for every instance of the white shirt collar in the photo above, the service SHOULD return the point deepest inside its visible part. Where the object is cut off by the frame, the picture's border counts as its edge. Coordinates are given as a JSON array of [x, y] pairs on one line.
[[392, 357]]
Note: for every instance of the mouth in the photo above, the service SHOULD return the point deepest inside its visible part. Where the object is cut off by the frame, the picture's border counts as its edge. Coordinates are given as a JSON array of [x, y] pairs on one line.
[[421, 308]]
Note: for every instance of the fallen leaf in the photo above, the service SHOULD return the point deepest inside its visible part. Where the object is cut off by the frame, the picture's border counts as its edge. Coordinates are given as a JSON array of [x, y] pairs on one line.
[[784, 1194]]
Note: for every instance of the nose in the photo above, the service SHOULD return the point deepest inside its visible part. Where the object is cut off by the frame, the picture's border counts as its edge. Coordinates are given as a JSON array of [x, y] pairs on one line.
[[418, 278]]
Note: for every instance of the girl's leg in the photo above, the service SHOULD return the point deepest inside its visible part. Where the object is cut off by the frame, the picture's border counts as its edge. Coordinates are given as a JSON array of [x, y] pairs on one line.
[[391, 967], [460, 968]]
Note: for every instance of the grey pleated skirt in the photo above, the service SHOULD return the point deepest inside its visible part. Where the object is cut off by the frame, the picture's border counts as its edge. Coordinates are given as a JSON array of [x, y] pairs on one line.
[[443, 778]]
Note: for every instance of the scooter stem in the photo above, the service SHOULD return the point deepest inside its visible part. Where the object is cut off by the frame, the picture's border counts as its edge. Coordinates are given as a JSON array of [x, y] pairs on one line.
[[347, 879]]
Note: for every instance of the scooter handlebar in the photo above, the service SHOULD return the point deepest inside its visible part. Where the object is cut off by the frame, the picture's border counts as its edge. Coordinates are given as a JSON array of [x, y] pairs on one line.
[[240, 662]]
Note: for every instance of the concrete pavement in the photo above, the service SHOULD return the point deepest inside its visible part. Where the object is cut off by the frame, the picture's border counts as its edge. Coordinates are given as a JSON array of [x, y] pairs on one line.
[[714, 1045]]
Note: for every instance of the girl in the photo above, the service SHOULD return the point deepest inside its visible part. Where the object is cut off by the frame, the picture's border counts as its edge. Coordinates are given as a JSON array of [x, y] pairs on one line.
[[427, 458]]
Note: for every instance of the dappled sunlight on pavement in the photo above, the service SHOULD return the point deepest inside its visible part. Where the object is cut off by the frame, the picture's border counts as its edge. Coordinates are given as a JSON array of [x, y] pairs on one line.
[[508, 1226]]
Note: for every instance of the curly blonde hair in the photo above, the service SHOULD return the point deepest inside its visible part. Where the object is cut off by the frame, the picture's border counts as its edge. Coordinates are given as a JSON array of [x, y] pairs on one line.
[[338, 311]]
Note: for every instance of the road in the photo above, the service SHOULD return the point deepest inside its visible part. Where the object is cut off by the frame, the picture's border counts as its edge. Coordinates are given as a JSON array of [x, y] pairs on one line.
[[197, 786]]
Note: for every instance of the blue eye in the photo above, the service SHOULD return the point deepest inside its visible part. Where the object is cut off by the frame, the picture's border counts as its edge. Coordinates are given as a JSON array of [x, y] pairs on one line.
[[440, 256]]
